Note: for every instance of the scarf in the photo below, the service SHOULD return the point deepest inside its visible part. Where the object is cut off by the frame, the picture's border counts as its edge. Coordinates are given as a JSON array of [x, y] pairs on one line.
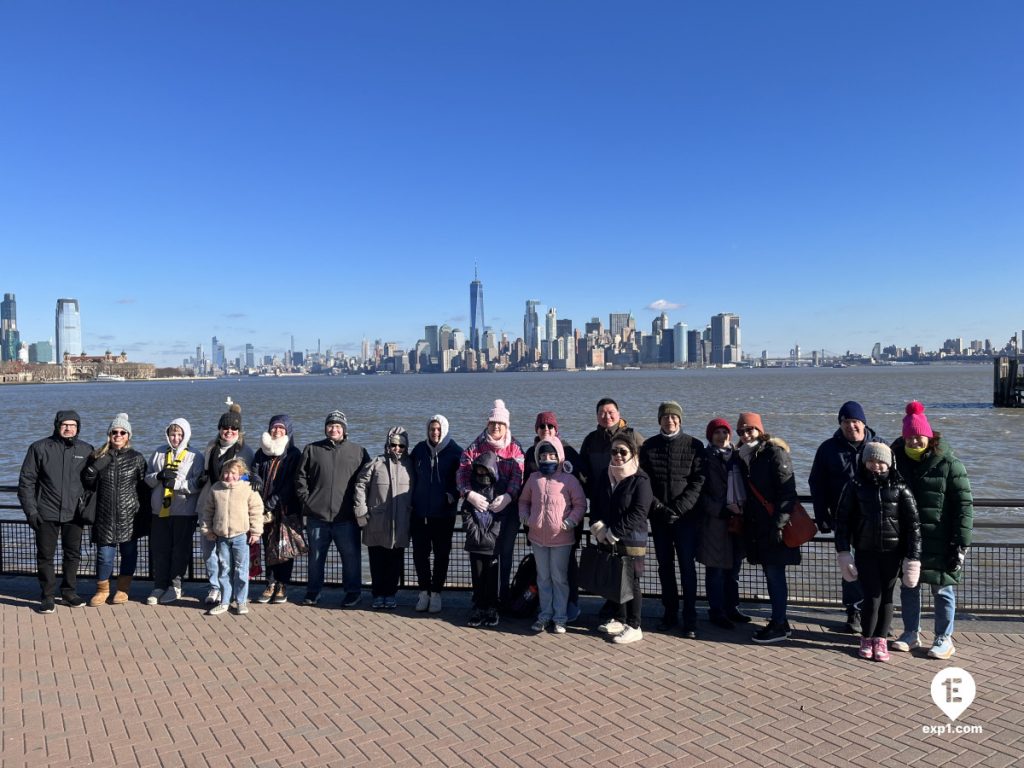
[[170, 462], [914, 453], [499, 444], [224, 445], [618, 473], [274, 446]]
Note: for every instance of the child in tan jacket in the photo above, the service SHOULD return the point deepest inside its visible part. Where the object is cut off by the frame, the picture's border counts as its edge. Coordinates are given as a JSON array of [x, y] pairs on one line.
[[233, 517]]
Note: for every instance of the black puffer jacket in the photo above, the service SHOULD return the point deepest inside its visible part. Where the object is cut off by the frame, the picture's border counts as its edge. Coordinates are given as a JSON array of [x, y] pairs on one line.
[[624, 509], [878, 514], [676, 468], [122, 496], [769, 469], [50, 483]]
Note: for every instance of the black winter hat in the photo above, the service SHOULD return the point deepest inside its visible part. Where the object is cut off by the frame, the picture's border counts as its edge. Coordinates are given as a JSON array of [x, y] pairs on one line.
[[232, 419]]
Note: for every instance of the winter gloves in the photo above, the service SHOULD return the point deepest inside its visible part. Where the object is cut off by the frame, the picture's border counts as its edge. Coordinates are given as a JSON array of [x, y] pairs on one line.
[[167, 476], [477, 501], [911, 573], [846, 567], [598, 531], [957, 555], [500, 502]]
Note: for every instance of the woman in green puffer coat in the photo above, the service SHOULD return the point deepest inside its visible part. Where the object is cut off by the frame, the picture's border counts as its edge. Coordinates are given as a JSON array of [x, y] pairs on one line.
[[946, 509]]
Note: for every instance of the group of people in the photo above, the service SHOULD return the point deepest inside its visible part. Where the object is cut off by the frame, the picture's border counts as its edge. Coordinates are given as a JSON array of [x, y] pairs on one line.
[[900, 511]]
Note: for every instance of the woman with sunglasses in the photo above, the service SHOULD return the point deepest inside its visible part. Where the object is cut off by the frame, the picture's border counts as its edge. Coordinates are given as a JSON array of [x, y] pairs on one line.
[[618, 512], [771, 493], [117, 473]]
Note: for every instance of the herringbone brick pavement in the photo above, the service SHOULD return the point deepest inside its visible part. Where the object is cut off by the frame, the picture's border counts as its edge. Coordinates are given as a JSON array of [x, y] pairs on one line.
[[293, 686]]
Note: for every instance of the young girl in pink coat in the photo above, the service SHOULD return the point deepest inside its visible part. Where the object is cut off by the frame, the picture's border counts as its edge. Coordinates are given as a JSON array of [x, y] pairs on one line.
[[552, 504]]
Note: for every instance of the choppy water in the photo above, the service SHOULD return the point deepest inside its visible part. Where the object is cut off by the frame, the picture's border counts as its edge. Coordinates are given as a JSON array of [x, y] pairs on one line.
[[798, 404]]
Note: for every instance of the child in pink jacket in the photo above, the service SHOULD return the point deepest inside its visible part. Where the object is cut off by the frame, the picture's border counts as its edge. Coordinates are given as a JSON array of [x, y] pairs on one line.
[[552, 504]]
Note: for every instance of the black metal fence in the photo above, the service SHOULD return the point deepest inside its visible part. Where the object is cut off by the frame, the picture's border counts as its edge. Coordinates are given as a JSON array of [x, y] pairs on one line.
[[993, 581]]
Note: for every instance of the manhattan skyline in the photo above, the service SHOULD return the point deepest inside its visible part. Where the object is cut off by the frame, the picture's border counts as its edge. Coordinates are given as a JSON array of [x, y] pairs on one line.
[[837, 176]]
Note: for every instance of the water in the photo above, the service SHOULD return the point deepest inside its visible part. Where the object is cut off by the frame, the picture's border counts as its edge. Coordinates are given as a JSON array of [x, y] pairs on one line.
[[797, 404]]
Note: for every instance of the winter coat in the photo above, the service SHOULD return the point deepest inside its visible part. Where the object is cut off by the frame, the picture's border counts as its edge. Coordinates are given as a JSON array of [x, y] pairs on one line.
[[482, 528], [215, 461], [878, 514], [435, 492], [547, 501], [50, 484], [717, 548], [122, 497], [835, 464], [510, 466], [768, 468], [596, 454], [277, 473], [188, 483], [232, 510], [325, 481], [676, 468], [383, 498], [945, 507], [624, 509]]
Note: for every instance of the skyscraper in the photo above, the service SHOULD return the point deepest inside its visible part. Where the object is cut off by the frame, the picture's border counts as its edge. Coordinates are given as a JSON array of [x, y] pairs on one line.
[[725, 339], [69, 329], [531, 328], [476, 312], [10, 339]]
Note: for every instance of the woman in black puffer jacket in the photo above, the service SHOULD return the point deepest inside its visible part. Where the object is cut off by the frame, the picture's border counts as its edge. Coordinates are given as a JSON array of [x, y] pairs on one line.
[[877, 516], [117, 474]]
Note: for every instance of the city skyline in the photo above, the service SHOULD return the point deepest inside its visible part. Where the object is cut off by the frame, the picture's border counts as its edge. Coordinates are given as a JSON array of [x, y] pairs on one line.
[[344, 182]]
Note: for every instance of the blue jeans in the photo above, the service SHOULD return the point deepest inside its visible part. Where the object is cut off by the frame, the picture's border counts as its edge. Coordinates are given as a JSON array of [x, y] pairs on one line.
[[214, 566], [945, 609], [723, 588], [677, 540], [778, 591], [553, 582], [234, 576], [345, 536], [105, 554]]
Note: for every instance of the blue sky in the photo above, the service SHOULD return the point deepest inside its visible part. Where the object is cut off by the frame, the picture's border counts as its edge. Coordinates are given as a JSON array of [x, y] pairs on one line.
[[835, 173]]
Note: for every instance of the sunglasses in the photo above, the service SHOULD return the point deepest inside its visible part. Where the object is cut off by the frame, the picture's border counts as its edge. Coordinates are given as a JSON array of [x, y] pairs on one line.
[[118, 432], [746, 430], [546, 426], [620, 452], [397, 445], [229, 429]]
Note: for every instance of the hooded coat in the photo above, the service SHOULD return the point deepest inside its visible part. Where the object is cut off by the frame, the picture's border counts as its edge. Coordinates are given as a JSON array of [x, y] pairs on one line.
[[50, 484], [945, 507], [482, 528], [769, 469], [547, 501], [383, 496], [435, 492], [878, 514], [187, 484]]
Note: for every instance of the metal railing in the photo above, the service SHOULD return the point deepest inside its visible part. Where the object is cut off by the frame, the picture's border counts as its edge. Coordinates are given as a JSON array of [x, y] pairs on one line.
[[993, 580]]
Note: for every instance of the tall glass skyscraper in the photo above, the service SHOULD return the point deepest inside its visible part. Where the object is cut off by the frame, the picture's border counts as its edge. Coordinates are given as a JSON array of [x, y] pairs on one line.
[[476, 312], [10, 339], [69, 328]]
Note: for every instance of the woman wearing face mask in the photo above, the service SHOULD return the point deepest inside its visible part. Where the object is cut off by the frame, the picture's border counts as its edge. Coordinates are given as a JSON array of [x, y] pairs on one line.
[[497, 439], [945, 507], [274, 465], [619, 507], [117, 472], [383, 509], [552, 505], [771, 493], [877, 516]]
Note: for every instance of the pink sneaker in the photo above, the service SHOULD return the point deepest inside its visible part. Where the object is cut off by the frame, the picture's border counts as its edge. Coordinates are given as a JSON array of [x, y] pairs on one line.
[[867, 648], [881, 649]]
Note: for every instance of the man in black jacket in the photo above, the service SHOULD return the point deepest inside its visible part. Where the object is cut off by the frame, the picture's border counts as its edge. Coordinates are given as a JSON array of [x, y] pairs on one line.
[[56, 505], [674, 461]]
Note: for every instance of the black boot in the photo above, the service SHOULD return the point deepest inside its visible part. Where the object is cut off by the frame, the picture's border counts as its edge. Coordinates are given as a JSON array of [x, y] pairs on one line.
[[852, 625]]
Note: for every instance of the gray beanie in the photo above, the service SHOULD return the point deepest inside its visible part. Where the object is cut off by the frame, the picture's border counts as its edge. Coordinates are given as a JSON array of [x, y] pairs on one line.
[[336, 417], [120, 422], [878, 452]]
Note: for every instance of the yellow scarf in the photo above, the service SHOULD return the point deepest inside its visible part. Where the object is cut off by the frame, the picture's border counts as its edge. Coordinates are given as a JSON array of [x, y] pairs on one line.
[[171, 462]]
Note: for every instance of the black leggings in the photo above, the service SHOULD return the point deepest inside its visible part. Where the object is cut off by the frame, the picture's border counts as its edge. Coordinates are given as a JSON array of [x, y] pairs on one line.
[[629, 613], [485, 580], [877, 573], [432, 533], [385, 570]]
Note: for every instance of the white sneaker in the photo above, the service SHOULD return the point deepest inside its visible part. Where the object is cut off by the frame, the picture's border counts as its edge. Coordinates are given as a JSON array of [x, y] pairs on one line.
[[435, 602], [559, 629], [213, 596], [908, 641], [611, 627], [154, 596], [424, 602], [628, 635]]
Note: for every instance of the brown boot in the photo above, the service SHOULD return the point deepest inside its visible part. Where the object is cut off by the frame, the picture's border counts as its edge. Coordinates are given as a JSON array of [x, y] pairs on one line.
[[124, 583], [102, 593]]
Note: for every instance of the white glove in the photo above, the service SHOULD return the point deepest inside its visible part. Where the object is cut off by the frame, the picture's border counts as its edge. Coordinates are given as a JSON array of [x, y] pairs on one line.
[[363, 520], [477, 501], [911, 573], [568, 525], [500, 502], [598, 530], [610, 538], [846, 567]]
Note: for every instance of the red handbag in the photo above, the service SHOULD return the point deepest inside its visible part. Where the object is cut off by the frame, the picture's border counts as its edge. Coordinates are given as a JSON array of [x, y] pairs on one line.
[[799, 530]]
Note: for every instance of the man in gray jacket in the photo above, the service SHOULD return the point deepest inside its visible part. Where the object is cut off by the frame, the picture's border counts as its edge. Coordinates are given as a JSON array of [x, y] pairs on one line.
[[325, 485], [56, 505]]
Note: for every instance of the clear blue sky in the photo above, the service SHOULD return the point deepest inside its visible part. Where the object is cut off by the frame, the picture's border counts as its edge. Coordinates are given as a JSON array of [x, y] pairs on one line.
[[835, 173]]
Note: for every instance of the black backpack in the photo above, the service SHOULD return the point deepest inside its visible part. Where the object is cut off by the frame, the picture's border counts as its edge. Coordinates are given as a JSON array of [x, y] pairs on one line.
[[523, 601]]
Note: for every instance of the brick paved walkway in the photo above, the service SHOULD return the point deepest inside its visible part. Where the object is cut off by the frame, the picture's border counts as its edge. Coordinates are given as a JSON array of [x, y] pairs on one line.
[[292, 686]]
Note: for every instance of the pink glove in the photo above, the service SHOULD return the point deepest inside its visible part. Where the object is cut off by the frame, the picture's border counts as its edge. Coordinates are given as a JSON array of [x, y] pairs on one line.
[[500, 502], [846, 567], [477, 501], [911, 573]]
